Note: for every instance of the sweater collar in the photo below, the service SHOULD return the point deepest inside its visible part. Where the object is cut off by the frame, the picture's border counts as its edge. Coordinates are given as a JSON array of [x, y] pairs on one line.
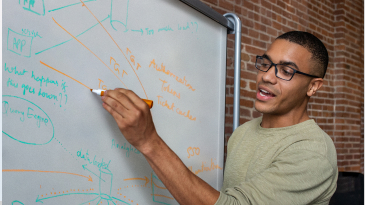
[[288, 130]]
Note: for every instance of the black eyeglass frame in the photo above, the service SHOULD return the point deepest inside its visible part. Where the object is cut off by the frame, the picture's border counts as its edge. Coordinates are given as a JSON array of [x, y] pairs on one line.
[[276, 69]]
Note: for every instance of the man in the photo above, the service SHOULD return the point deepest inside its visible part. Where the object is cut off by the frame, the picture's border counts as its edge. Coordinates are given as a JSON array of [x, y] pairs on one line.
[[282, 157]]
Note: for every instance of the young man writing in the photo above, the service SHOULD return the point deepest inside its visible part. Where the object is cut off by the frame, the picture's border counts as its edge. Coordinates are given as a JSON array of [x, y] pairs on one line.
[[282, 157]]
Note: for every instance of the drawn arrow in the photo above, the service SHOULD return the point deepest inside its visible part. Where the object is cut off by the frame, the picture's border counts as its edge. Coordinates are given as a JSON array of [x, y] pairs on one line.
[[139, 31], [28, 170], [84, 166], [144, 179], [41, 200]]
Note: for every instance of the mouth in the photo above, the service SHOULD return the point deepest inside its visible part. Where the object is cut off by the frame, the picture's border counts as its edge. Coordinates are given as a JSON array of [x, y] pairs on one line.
[[265, 93]]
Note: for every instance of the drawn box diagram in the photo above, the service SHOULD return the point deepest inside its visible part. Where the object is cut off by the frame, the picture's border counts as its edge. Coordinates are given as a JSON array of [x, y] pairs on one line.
[[35, 6], [19, 43], [119, 13]]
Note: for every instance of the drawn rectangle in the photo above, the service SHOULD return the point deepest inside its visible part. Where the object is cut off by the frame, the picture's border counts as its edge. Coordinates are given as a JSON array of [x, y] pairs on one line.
[[35, 6], [19, 43]]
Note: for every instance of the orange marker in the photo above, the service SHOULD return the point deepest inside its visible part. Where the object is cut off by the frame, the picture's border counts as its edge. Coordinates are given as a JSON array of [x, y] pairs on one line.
[[102, 92]]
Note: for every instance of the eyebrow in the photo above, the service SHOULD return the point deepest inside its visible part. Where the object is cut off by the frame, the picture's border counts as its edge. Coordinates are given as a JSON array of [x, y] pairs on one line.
[[282, 62]]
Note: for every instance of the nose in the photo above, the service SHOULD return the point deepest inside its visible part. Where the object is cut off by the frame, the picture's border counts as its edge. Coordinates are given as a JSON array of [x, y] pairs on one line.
[[270, 76]]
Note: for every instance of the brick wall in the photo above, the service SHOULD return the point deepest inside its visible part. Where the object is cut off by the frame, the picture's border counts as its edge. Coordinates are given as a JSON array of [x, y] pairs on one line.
[[338, 107]]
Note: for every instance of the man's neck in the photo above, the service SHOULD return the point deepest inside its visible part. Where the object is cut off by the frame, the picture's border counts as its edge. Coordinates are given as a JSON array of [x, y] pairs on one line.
[[289, 119]]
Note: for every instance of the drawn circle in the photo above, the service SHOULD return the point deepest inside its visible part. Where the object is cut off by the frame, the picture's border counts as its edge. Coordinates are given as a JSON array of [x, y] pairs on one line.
[[16, 202], [30, 133]]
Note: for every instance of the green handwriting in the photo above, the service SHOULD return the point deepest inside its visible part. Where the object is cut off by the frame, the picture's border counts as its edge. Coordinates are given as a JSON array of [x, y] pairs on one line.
[[13, 70], [27, 88], [11, 83], [42, 80]]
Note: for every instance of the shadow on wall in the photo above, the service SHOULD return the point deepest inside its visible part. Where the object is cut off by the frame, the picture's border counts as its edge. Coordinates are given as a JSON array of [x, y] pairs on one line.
[[350, 189]]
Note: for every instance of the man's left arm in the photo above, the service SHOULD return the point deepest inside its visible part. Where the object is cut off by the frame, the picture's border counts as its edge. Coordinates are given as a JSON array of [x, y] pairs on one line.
[[135, 122]]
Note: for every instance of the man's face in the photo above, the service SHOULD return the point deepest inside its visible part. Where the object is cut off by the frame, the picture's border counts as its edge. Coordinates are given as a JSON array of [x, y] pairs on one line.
[[279, 97]]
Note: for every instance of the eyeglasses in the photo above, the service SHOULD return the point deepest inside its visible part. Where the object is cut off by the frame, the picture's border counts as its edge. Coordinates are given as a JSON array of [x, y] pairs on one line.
[[282, 71]]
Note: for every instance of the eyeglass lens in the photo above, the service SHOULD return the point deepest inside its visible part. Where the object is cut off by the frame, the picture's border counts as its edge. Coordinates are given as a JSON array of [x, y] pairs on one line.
[[283, 71]]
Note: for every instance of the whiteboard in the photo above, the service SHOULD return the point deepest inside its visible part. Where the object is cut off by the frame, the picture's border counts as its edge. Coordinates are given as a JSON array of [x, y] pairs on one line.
[[59, 145]]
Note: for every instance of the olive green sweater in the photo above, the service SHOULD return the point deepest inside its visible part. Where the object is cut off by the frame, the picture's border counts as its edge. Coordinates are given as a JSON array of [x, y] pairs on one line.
[[289, 165]]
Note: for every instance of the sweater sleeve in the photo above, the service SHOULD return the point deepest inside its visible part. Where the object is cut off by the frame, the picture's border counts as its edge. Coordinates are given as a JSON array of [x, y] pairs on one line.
[[294, 177]]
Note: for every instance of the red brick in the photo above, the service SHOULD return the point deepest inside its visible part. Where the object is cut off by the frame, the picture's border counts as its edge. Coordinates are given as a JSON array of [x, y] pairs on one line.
[[253, 86], [338, 106], [266, 21], [260, 44], [266, 4], [264, 37], [256, 114], [248, 75], [245, 93], [244, 112], [254, 50], [226, 5]]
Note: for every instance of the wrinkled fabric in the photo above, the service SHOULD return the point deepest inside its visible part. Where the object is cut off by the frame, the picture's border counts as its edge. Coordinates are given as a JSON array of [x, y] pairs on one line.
[[289, 165]]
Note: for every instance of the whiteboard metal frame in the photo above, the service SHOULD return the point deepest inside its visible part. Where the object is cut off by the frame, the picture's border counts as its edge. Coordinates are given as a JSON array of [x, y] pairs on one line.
[[211, 13], [233, 25], [237, 66]]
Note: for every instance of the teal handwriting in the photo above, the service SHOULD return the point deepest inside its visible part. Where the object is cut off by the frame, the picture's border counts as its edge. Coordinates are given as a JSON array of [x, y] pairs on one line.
[[30, 116], [31, 33], [100, 165], [190, 26], [43, 80], [11, 83], [13, 70], [29, 6], [64, 86], [27, 88], [46, 95], [39, 119], [167, 28], [124, 147], [7, 109], [19, 44]]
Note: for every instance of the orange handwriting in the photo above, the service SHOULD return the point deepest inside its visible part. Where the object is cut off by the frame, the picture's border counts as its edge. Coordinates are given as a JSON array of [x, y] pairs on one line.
[[167, 89], [167, 72], [115, 64], [117, 68], [89, 50], [117, 46], [102, 85], [185, 114], [204, 168], [127, 51], [132, 59], [172, 106], [165, 104], [193, 151]]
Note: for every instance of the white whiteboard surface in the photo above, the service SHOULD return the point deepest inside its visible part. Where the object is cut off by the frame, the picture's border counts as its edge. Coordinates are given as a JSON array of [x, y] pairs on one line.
[[59, 145]]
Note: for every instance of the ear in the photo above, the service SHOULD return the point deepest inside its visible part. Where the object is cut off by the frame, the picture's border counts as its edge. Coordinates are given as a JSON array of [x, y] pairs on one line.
[[314, 85]]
